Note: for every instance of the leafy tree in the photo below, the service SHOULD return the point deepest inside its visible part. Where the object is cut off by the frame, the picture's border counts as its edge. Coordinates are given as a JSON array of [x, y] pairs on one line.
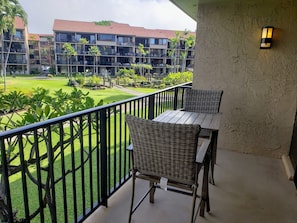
[[95, 52], [69, 51], [9, 11], [177, 78], [128, 76], [40, 107], [143, 53], [141, 67]]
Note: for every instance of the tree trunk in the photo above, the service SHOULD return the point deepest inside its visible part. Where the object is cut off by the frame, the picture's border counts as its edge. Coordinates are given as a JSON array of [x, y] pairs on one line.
[[68, 60], [6, 61], [95, 66], [2, 53]]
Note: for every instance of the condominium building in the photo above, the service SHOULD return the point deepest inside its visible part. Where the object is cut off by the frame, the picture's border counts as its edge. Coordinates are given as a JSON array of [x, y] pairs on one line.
[[118, 44], [41, 53], [16, 46]]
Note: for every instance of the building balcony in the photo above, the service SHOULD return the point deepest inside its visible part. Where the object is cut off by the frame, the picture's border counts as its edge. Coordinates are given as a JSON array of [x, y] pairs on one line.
[[75, 168]]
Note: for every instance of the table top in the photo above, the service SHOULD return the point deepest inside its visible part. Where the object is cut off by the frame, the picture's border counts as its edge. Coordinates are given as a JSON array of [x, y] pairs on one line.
[[206, 121]]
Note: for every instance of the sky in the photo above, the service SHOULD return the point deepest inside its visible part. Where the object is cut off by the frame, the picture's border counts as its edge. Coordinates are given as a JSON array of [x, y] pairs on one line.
[[150, 14]]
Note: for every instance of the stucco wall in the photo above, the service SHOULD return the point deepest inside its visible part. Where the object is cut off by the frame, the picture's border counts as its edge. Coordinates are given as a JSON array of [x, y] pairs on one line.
[[259, 101]]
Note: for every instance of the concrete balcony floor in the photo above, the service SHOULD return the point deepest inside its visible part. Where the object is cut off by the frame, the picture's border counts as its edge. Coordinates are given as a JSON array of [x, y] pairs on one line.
[[248, 189]]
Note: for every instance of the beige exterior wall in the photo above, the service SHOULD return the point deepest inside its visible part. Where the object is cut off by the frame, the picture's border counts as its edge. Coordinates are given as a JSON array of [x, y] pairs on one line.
[[259, 101]]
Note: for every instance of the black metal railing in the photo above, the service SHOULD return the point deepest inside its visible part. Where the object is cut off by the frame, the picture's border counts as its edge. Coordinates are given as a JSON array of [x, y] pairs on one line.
[[63, 169]]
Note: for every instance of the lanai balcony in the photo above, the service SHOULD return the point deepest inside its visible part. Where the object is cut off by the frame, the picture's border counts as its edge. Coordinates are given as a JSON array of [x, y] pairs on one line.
[[78, 164], [259, 103]]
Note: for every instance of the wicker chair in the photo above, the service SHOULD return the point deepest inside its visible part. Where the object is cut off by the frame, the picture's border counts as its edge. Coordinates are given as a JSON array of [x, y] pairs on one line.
[[205, 101], [202, 101], [167, 151]]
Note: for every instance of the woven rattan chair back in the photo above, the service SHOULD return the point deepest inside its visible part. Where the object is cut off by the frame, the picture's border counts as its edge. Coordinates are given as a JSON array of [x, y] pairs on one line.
[[203, 101], [164, 149]]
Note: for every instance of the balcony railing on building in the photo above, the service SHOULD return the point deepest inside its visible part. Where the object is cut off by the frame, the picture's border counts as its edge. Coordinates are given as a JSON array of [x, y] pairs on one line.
[[63, 169]]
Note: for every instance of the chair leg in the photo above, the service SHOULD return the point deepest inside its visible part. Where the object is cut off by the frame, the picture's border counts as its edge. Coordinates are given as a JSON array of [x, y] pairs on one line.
[[152, 192], [132, 197], [194, 204]]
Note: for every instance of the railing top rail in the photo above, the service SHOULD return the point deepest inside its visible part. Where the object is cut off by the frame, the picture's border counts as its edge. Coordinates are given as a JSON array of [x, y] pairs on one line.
[[43, 124]]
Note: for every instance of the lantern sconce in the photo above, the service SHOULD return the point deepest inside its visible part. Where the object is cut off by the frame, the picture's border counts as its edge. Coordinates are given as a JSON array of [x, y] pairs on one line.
[[266, 38]]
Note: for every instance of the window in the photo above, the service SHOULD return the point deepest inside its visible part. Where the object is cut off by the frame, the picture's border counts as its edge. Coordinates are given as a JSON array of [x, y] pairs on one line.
[[106, 37], [18, 34], [156, 41]]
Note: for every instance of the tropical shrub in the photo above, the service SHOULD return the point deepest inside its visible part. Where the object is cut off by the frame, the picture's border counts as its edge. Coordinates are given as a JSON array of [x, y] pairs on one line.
[[177, 78]]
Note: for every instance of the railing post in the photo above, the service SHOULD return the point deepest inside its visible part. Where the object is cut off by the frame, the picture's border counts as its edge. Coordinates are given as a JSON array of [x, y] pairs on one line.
[[6, 183], [175, 98], [151, 110], [103, 154]]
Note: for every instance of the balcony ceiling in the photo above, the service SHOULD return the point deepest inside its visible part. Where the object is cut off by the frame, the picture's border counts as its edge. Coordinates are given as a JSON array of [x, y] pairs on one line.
[[190, 6]]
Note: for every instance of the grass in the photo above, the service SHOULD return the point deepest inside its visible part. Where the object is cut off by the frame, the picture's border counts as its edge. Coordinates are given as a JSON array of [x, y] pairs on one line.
[[144, 90], [27, 84]]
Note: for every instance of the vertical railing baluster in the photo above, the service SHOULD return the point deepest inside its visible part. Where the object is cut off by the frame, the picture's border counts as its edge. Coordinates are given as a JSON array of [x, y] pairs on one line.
[[98, 172], [103, 154], [39, 182], [50, 151], [73, 170], [108, 132], [24, 180], [83, 189], [90, 159], [125, 142], [63, 172], [151, 107], [120, 143], [114, 147]]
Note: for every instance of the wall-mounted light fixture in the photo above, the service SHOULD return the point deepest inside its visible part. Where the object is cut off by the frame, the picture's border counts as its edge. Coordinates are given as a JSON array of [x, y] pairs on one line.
[[266, 38]]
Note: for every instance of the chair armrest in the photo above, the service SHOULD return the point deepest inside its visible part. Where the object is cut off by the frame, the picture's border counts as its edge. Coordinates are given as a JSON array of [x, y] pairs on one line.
[[202, 151], [130, 147]]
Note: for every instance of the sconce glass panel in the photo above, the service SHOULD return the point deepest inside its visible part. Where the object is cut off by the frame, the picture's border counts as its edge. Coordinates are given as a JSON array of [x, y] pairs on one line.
[[266, 37]]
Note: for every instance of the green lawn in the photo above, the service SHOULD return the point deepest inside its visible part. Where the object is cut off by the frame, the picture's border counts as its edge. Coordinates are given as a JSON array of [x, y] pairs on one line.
[[27, 84]]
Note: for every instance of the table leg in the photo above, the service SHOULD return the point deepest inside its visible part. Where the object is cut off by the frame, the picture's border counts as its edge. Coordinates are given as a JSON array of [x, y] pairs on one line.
[[214, 140], [205, 190]]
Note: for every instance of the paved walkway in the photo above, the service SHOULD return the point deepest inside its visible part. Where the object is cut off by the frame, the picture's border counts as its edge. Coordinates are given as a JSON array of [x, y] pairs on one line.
[[127, 90]]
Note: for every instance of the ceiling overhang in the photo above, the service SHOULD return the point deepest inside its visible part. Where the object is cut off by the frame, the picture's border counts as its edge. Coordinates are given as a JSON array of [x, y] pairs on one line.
[[190, 7]]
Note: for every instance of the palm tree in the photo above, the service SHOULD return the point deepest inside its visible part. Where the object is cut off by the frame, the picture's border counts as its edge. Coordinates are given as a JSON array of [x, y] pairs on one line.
[[83, 42], [95, 52], [174, 44], [10, 10], [143, 53], [69, 51], [189, 41]]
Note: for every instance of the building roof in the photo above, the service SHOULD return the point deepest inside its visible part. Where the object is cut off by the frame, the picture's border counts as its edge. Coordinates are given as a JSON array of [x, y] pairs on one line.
[[114, 28], [19, 24], [35, 37]]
